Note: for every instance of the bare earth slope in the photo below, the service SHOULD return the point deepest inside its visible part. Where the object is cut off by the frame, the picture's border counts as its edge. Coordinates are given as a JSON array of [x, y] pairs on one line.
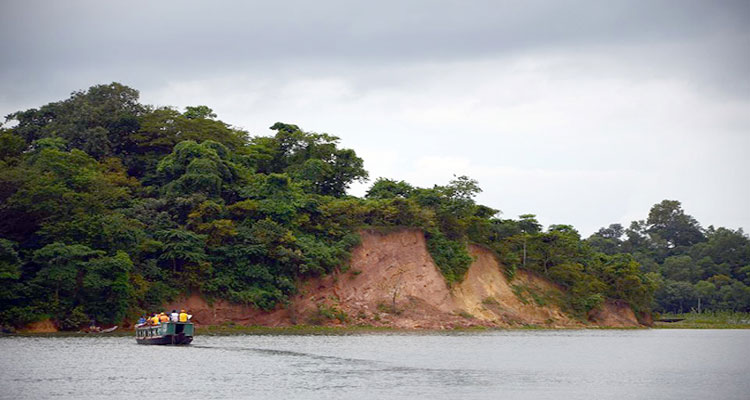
[[392, 281]]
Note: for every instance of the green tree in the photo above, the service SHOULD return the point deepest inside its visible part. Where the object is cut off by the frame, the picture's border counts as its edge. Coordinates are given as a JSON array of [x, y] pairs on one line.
[[608, 240], [527, 223], [11, 145], [681, 268], [52, 185], [181, 248], [669, 222], [310, 157], [11, 295], [97, 121], [199, 112], [61, 270], [676, 296], [204, 168], [387, 189], [106, 287]]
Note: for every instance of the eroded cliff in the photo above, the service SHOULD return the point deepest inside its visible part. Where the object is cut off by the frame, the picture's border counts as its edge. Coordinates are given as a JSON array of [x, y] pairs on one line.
[[392, 281]]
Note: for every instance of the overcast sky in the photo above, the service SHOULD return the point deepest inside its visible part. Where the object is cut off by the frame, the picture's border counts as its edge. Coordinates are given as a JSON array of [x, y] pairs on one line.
[[582, 112]]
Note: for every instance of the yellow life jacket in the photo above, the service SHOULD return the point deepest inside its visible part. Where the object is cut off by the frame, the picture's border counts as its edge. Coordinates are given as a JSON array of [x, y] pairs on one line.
[[183, 317], [155, 320], [163, 318]]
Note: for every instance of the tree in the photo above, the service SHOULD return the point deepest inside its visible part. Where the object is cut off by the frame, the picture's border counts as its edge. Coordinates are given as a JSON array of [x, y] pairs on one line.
[[61, 270], [613, 231], [728, 249], [11, 145], [669, 222], [52, 185], [97, 121], [10, 274], [675, 296], [681, 268], [527, 223], [387, 189], [310, 157], [204, 168], [624, 280], [199, 112], [181, 247], [162, 129], [706, 292], [106, 287]]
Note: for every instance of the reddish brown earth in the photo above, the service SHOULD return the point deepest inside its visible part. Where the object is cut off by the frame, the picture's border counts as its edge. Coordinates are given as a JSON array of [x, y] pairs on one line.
[[43, 326], [616, 314], [392, 281]]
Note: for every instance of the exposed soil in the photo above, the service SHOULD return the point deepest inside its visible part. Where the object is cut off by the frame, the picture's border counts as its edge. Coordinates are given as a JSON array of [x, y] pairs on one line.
[[221, 311], [43, 326], [617, 314], [392, 281], [486, 294]]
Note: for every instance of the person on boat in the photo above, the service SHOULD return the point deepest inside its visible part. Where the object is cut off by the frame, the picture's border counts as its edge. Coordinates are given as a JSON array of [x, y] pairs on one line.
[[141, 321], [174, 317], [183, 317], [154, 319], [163, 317]]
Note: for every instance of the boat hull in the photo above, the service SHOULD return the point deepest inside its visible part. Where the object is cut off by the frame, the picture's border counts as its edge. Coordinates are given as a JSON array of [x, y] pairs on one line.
[[175, 333], [169, 339]]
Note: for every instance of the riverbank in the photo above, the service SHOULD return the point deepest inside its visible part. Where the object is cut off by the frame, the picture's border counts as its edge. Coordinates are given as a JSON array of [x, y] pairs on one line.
[[235, 329], [706, 320], [302, 329], [310, 330]]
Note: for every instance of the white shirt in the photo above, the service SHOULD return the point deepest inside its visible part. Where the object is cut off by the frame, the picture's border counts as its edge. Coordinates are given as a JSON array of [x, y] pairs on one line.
[[174, 317]]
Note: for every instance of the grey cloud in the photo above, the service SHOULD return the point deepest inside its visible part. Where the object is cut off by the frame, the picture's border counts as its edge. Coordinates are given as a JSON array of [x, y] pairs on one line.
[[196, 35], [52, 48]]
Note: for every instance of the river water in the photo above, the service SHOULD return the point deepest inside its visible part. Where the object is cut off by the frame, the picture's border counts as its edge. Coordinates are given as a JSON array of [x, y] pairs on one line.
[[587, 364]]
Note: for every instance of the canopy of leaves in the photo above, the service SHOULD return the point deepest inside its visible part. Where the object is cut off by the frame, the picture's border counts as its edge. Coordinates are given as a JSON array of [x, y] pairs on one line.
[[693, 268]]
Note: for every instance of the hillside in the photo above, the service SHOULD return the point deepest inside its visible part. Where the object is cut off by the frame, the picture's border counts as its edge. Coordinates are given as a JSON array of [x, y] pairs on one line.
[[392, 281]]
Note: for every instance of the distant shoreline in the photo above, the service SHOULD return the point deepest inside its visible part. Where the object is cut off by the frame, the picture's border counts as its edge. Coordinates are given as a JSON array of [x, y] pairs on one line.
[[229, 330]]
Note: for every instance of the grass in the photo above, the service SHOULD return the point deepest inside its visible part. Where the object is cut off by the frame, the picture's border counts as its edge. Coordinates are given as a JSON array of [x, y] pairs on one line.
[[520, 292], [706, 320], [327, 312], [540, 297], [490, 301]]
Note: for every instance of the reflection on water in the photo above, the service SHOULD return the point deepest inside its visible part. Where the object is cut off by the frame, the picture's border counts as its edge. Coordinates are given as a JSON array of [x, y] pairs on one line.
[[663, 364]]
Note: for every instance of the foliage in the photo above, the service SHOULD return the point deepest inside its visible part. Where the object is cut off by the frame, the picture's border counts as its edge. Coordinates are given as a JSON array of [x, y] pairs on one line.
[[327, 312], [691, 268], [449, 255], [109, 208]]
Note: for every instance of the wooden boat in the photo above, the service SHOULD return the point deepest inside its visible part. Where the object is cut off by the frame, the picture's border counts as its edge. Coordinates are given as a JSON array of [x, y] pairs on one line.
[[165, 333], [98, 330]]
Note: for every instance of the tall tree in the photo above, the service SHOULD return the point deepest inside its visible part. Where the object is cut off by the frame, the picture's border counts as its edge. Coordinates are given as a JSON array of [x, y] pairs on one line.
[[313, 158], [97, 121], [669, 222]]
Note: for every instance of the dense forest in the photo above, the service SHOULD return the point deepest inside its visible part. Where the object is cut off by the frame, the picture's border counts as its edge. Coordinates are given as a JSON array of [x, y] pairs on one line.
[[697, 269], [109, 208]]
